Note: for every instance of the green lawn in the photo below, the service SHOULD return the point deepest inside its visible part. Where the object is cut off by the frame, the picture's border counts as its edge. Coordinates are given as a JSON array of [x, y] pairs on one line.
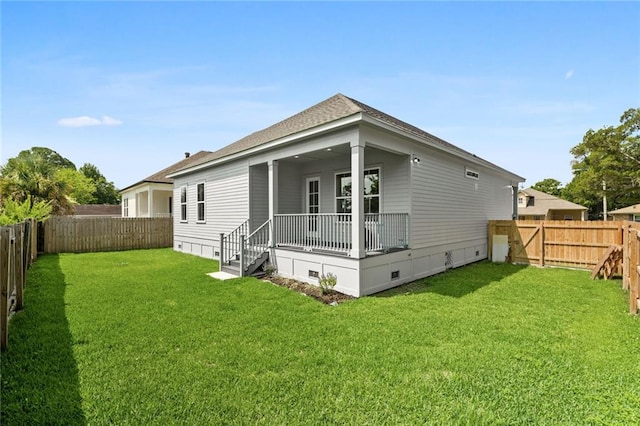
[[145, 337]]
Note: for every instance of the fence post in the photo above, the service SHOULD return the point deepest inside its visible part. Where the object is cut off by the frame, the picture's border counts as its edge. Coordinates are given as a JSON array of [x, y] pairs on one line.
[[626, 256], [4, 285], [242, 255], [542, 236], [18, 265]]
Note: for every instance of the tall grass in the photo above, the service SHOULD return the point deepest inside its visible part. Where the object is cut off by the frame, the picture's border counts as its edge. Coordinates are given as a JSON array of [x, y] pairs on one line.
[[145, 337]]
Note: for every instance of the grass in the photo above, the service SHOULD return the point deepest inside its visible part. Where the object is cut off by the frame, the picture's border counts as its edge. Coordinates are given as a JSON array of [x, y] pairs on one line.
[[145, 337]]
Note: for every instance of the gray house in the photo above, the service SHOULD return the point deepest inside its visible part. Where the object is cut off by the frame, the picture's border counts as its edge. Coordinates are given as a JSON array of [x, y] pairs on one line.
[[341, 188]]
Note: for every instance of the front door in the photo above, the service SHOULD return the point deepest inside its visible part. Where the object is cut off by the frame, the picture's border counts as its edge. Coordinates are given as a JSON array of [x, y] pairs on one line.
[[313, 205]]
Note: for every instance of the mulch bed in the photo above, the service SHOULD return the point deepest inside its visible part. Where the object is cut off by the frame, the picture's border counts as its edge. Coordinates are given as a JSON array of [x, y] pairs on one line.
[[330, 298]]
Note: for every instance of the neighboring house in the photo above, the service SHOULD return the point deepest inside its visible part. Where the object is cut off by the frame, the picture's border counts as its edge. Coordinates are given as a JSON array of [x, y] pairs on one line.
[[627, 213], [538, 205], [152, 196], [422, 204], [96, 210]]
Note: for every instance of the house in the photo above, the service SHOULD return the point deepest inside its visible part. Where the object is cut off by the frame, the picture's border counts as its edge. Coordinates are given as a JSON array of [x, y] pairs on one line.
[[631, 213], [96, 210], [422, 204], [152, 196], [538, 205]]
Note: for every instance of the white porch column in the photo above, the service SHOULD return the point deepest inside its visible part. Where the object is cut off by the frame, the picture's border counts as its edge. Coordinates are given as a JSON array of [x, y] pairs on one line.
[[150, 202], [273, 198], [357, 199]]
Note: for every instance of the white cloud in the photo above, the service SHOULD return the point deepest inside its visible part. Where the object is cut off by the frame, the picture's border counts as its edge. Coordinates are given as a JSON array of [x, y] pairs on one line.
[[110, 121], [568, 74], [85, 121]]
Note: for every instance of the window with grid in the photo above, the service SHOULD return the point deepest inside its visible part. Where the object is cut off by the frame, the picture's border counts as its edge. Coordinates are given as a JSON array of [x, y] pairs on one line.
[[183, 204], [200, 202], [371, 191]]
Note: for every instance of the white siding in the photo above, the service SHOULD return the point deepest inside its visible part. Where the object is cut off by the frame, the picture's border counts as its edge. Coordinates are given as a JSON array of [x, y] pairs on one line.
[[290, 187], [448, 207], [227, 206], [259, 195]]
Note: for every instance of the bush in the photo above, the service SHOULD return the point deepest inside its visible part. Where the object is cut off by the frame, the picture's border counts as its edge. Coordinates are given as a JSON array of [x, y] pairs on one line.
[[327, 282]]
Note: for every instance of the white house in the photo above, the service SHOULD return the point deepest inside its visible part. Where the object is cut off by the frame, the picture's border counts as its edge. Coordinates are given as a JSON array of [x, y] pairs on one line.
[[152, 196], [422, 205]]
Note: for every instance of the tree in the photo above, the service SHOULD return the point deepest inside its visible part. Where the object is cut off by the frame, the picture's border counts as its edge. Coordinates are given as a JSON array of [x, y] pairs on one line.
[[48, 155], [31, 176], [106, 192], [608, 158], [549, 186], [82, 189], [12, 211]]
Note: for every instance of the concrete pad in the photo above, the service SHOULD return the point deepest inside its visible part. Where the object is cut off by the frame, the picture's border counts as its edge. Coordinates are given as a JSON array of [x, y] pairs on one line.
[[222, 275]]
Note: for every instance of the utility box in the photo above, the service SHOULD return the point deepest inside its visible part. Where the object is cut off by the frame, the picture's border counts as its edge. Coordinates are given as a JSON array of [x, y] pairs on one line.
[[500, 248]]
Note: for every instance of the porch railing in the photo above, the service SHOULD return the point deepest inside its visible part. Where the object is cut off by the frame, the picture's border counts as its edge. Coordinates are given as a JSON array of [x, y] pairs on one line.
[[254, 246], [332, 231], [230, 243]]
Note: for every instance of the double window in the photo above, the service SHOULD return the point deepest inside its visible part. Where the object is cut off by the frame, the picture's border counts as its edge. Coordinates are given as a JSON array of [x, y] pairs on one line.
[[125, 207], [371, 191]]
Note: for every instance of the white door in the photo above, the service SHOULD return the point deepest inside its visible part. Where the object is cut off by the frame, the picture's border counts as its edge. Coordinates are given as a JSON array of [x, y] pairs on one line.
[[313, 205]]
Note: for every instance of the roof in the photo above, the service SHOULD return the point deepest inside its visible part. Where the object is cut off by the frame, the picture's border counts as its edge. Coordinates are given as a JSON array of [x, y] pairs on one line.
[[544, 202], [330, 110], [634, 209], [161, 176], [97, 210]]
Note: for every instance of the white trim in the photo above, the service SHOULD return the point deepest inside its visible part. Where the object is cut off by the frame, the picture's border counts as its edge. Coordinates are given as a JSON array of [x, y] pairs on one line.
[[471, 174], [348, 171], [203, 202], [183, 189], [273, 144], [306, 193]]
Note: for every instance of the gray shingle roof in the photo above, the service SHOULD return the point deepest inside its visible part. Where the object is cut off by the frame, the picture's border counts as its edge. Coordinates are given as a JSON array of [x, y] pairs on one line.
[[544, 202], [335, 108], [161, 176], [634, 209]]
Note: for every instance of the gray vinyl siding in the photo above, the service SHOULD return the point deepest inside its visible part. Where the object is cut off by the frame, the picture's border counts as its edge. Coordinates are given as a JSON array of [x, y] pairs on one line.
[[448, 207], [259, 195], [290, 185], [227, 202]]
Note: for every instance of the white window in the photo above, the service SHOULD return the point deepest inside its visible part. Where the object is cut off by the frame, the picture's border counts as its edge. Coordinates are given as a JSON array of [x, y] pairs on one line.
[[125, 207], [183, 204], [371, 191], [520, 201], [200, 191], [636, 217], [471, 174]]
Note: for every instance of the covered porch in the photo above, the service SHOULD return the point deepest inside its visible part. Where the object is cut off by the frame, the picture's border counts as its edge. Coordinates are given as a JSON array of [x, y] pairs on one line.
[[306, 201]]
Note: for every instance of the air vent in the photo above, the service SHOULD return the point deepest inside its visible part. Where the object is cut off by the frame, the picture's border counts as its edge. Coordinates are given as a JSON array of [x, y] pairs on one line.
[[313, 274], [395, 275]]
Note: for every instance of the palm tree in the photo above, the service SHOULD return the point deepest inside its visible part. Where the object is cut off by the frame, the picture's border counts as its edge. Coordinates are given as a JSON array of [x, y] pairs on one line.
[[31, 176]]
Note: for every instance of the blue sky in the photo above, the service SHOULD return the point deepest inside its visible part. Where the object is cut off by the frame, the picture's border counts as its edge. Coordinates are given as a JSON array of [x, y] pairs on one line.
[[131, 86]]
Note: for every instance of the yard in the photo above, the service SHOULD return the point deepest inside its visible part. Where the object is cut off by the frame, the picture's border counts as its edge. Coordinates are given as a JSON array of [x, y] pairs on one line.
[[145, 337]]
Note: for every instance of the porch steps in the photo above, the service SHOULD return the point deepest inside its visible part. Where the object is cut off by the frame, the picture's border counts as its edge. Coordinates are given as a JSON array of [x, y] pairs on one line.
[[233, 267]]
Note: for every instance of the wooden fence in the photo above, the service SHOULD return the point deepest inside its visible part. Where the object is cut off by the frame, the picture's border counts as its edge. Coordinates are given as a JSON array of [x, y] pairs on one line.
[[573, 244], [80, 235], [631, 264], [17, 252]]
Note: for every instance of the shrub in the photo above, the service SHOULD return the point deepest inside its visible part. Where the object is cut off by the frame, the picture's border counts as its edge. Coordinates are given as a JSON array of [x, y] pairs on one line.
[[327, 282]]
